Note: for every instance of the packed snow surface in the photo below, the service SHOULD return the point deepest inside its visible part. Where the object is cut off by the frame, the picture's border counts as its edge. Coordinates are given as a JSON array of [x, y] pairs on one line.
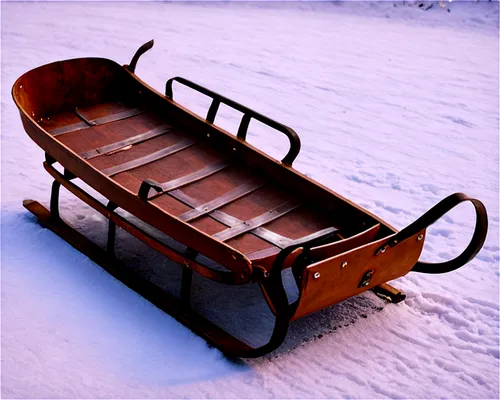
[[396, 107]]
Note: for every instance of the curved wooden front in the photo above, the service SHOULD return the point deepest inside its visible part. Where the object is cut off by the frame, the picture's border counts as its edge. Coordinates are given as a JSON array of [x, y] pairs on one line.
[[335, 279]]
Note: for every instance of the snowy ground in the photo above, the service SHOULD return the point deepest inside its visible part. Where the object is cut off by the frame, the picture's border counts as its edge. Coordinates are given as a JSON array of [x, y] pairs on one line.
[[396, 108]]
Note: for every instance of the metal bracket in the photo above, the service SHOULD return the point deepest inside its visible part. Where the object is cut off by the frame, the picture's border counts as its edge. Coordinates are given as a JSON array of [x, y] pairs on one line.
[[146, 185], [366, 279]]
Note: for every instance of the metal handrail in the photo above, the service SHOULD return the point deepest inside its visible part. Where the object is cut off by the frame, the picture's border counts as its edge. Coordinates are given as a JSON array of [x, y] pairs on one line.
[[248, 114]]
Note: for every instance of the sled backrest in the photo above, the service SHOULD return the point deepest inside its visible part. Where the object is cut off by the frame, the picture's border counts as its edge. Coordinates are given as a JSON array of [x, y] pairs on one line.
[[347, 274], [63, 85]]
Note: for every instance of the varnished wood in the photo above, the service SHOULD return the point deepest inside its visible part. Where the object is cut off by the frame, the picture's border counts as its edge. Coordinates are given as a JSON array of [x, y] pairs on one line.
[[258, 221], [221, 201], [330, 281], [194, 176], [138, 162], [68, 128], [341, 246], [110, 148]]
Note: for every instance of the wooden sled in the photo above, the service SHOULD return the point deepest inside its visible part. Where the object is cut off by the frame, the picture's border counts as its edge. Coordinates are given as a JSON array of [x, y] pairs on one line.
[[212, 192]]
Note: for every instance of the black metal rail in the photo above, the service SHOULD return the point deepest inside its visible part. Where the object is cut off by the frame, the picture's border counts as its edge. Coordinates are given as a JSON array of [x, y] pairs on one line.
[[248, 114]]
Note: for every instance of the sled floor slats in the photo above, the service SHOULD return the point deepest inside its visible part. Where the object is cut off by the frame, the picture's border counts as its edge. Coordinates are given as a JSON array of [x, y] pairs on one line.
[[219, 216], [195, 176], [83, 118], [201, 186], [95, 137], [121, 144], [108, 112], [258, 221], [221, 201], [62, 123], [157, 155]]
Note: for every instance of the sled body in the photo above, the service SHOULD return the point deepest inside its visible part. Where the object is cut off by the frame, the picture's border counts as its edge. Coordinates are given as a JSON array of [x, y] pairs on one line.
[[210, 191]]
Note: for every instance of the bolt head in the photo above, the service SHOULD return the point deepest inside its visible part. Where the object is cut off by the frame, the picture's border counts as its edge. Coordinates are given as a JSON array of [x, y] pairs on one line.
[[316, 275], [420, 237], [343, 265]]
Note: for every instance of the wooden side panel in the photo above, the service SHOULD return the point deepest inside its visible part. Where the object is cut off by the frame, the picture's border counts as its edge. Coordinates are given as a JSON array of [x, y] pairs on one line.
[[336, 283], [332, 249]]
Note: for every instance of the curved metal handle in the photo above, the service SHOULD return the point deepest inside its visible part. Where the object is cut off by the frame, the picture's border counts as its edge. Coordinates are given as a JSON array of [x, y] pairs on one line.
[[146, 185], [140, 51], [432, 216], [248, 114]]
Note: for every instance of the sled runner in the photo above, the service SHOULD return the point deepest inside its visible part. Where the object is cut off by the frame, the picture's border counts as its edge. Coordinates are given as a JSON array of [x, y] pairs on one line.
[[215, 195]]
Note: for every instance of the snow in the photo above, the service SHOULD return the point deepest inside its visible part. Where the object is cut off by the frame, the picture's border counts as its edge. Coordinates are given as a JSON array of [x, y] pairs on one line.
[[396, 108]]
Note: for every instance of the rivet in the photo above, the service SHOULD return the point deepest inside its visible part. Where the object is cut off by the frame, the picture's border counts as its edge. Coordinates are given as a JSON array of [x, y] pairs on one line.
[[20, 86], [234, 148], [208, 134], [206, 208], [316, 275], [343, 265], [420, 237]]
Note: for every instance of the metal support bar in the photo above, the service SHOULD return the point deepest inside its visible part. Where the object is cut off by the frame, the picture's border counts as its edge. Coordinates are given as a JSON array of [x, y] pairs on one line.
[[187, 278], [54, 199], [110, 245]]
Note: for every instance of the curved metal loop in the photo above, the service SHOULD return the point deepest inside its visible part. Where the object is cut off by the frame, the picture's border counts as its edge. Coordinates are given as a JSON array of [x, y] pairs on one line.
[[140, 51], [248, 114], [146, 185], [276, 295], [432, 216]]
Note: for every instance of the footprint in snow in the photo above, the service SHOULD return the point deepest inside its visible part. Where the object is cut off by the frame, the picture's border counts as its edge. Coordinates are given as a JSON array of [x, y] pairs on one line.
[[459, 121]]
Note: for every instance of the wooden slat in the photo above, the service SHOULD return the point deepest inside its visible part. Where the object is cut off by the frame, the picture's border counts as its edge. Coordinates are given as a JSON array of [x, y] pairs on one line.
[[271, 237], [131, 112], [218, 215], [119, 116], [262, 219], [264, 253], [116, 146], [157, 155], [68, 128], [195, 176], [226, 198]]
